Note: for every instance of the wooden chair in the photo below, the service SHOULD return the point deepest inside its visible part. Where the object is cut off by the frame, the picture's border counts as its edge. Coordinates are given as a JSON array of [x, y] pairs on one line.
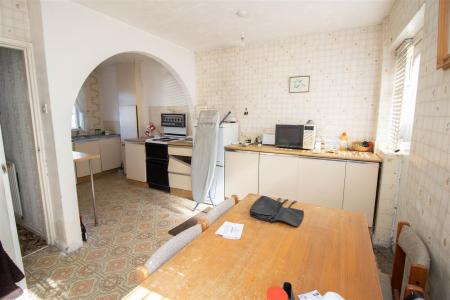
[[410, 251], [167, 251]]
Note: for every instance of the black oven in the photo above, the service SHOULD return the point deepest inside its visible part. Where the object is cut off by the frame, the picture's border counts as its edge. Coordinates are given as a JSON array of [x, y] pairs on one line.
[[157, 159]]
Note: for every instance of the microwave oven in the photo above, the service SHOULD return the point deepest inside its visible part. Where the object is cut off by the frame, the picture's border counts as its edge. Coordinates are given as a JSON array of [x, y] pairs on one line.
[[295, 136]]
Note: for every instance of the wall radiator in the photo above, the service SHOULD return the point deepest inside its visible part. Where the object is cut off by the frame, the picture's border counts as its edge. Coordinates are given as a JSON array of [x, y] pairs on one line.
[[14, 186]]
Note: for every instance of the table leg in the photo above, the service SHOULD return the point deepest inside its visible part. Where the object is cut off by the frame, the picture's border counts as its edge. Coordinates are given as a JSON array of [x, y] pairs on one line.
[[93, 192]]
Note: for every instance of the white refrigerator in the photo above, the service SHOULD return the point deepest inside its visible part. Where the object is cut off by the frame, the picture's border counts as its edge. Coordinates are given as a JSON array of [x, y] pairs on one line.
[[228, 134]]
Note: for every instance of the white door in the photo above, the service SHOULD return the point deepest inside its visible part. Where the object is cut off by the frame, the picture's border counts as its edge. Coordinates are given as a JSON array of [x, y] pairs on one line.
[[8, 230], [278, 176], [321, 182], [361, 188], [128, 122], [241, 173]]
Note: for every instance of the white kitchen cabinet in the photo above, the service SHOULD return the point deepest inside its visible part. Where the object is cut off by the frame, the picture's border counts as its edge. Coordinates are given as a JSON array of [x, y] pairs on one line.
[[82, 167], [278, 175], [111, 153], [361, 188], [136, 161], [241, 173], [321, 182]]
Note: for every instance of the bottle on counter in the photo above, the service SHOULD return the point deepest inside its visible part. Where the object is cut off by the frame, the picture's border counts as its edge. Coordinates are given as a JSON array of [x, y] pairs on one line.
[[343, 142]]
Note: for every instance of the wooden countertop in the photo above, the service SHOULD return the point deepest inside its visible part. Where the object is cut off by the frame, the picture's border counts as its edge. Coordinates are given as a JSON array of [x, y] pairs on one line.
[[182, 143], [330, 251], [342, 155], [83, 156]]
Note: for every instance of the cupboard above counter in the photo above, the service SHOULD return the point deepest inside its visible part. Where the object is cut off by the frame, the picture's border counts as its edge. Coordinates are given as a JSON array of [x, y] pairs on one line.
[[337, 183]]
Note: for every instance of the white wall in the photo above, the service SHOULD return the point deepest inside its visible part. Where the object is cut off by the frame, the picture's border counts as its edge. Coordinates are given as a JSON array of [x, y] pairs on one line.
[[344, 67], [76, 40], [108, 94]]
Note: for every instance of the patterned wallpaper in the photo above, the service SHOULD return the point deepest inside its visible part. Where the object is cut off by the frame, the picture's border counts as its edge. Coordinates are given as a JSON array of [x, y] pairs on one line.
[[425, 192], [89, 100], [344, 67], [14, 22]]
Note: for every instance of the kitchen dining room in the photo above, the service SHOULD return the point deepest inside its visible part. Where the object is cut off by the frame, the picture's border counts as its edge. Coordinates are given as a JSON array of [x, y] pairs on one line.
[[206, 150]]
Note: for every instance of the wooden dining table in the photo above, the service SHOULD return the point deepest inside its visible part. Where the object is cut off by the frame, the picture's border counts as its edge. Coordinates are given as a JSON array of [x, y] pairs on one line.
[[330, 251]]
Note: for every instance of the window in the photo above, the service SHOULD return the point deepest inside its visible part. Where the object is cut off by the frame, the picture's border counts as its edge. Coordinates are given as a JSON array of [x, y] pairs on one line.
[[407, 64], [77, 118]]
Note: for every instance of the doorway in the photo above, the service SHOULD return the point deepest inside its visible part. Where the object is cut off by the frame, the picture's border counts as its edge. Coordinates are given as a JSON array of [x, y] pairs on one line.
[[21, 162]]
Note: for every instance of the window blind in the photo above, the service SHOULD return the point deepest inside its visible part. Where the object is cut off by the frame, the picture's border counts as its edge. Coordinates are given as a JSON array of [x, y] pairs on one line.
[[403, 57]]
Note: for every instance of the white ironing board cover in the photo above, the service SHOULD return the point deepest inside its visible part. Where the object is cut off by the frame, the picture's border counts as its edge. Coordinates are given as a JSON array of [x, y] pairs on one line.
[[204, 154]]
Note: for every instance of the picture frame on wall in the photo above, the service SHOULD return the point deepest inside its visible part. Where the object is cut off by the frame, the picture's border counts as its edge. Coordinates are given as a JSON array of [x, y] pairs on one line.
[[299, 84]]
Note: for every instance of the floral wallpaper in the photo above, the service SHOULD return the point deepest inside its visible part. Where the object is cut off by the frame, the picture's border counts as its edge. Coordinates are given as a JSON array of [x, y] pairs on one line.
[[89, 102]]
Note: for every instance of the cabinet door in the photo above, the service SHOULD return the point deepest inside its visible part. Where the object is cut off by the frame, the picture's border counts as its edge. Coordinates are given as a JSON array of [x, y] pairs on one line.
[[136, 164], [241, 173], [279, 176], [321, 182], [111, 153], [82, 167], [361, 188]]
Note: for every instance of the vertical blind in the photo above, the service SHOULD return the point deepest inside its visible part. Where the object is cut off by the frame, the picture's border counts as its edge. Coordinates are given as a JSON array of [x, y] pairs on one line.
[[403, 58]]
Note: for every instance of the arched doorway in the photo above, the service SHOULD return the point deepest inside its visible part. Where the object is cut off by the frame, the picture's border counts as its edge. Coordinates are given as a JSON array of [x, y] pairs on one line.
[[115, 104]]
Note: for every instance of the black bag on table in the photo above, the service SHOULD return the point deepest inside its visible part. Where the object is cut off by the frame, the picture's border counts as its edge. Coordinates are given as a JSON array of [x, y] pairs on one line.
[[270, 210]]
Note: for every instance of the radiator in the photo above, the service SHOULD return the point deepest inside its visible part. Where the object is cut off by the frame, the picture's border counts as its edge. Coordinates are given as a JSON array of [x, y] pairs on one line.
[[14, 186]]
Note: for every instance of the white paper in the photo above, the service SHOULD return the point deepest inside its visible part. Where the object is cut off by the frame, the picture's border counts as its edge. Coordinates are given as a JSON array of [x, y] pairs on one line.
[[314, 295], [232, 231]]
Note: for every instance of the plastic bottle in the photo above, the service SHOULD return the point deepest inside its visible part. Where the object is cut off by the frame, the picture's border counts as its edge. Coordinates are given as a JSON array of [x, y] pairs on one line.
[[343, 142]]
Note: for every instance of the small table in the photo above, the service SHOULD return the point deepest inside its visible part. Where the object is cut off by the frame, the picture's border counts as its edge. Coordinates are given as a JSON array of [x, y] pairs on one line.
[[330, 251], [83, 156]]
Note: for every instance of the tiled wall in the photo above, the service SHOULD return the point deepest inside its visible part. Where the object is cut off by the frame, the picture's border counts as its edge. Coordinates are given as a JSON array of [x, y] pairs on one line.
[[14, 23], [344, 67], [425, 192]]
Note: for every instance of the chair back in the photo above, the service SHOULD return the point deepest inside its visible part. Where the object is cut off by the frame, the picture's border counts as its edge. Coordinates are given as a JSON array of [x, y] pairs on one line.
[[172, 247], [411, 262], [219, 210]]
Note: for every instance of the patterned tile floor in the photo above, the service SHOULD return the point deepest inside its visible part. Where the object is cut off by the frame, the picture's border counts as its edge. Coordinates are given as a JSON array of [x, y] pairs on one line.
[[29, 241], [133, 222]]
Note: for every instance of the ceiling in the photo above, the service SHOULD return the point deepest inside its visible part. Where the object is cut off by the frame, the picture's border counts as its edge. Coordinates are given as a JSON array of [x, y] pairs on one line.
[[210, 24]]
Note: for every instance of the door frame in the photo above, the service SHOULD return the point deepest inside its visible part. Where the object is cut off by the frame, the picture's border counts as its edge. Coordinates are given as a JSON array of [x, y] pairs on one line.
[[38, 136]]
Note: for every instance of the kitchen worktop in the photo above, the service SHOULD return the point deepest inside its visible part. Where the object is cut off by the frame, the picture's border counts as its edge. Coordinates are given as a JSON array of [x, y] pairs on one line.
[[140, 140], [86, 138], [342, 155], [180, 143]]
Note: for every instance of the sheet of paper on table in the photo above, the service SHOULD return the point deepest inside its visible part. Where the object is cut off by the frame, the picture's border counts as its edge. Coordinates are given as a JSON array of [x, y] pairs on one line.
[[315, 295], [229, 230]]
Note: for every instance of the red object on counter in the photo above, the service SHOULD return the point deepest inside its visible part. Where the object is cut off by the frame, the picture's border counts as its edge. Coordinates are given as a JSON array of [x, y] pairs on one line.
[[276, 293]]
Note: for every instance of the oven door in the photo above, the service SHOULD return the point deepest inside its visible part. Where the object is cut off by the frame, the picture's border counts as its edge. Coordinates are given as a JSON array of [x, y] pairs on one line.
[[157, 175], [289, 136]]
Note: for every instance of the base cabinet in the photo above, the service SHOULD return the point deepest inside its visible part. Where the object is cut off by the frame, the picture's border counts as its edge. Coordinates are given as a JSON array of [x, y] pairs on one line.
[[111, 153], [341, 184], [278, 176], [82, 167], [321, 182], [361, 188], [136, 163], [241, 173]]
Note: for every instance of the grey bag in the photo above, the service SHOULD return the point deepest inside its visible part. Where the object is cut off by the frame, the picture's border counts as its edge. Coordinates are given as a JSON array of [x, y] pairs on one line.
[[270, 210]]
